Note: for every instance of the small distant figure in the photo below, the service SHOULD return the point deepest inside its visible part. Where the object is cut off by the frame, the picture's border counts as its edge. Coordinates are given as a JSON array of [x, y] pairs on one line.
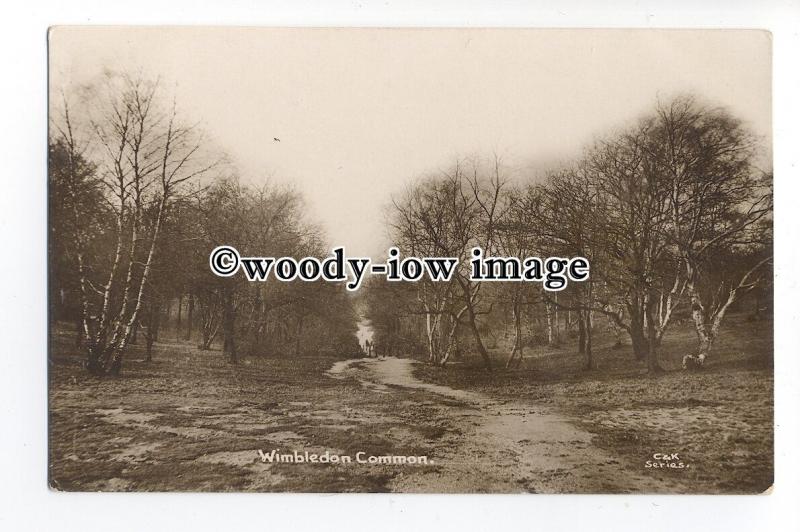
[[276, 139], [369, 348]]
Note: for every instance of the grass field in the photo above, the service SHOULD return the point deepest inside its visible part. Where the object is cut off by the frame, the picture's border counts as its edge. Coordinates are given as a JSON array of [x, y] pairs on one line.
[[190, 421], [719, 420]]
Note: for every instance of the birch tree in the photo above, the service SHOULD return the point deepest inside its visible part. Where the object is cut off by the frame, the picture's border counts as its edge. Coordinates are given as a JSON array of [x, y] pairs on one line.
[[146, 158], [434, 218], [720, 207]]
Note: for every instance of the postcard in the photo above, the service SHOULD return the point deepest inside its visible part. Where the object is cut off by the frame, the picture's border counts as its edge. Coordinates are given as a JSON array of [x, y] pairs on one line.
[[387, 260]]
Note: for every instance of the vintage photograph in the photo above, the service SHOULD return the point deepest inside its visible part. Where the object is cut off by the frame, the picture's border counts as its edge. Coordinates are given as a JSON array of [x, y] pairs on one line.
[[374, 260]]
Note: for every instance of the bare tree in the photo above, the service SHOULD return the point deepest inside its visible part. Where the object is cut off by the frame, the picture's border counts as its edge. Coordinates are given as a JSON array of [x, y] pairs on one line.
[[446, 215], [633, 258], [146, 157], [717, 201], [434, 218]]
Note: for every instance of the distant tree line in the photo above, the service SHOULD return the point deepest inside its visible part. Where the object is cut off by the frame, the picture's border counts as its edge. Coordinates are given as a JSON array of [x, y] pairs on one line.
[[672, 212], [137, 198]]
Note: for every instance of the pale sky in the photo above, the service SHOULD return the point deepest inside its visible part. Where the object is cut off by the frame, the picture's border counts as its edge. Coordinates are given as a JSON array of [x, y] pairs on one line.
[[359, 112]]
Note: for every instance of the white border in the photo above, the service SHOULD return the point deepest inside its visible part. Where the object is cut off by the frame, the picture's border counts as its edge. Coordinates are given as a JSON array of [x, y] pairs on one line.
[[25, 502]]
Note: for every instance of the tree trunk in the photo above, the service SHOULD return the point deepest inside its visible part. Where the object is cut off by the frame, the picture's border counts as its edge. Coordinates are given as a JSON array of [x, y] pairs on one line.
[[590, 364], [652, 358], [586, 316], [639, 344], [652, 342], [126, 294], [473, 324], [210, 327], [180, 313], [639, 341], [619, 332], [452, 347], [113, 363], [229, 325], [516, 351], [135, 334], [706, 334], [97, 345], [548, 310], [704, 347], [431, 331], [557, 332], [189, 317]]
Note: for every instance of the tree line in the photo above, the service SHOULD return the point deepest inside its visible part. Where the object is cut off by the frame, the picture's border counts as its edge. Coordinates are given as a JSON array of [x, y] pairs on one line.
[[138, 195], [672, 212]]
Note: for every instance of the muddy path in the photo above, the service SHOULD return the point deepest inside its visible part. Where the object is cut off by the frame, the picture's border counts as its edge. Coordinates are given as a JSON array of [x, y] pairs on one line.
[[495, 445]]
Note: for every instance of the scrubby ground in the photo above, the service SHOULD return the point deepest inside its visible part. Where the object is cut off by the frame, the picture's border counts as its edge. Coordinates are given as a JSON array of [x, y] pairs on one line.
[[190, 421], [718, 420]]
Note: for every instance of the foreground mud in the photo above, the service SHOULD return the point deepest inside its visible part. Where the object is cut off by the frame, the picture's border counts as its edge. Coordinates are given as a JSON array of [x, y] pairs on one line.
[[499, 446], [188, 421]]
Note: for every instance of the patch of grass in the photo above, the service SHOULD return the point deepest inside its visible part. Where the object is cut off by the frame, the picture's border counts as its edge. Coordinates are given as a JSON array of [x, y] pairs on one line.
[[719, 420], [154, 428], [430, 432]]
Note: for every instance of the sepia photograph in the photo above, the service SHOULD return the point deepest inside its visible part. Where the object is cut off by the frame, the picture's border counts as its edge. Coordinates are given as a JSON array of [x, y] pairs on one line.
[[410, 260]]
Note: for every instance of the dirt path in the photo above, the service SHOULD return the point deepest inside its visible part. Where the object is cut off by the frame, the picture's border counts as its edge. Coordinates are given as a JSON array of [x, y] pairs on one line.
[[196, 423], [498, 446]]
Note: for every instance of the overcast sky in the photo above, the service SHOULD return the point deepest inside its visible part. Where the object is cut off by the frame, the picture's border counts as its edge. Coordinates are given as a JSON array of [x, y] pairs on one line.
[[360, 112]]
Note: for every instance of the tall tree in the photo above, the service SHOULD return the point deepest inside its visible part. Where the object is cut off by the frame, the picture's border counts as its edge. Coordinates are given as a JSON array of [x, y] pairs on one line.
[[146, 158], [718, 202]]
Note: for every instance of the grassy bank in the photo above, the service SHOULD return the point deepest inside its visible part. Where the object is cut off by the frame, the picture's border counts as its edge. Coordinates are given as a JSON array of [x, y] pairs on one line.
[[190, 421], [719, 420]]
